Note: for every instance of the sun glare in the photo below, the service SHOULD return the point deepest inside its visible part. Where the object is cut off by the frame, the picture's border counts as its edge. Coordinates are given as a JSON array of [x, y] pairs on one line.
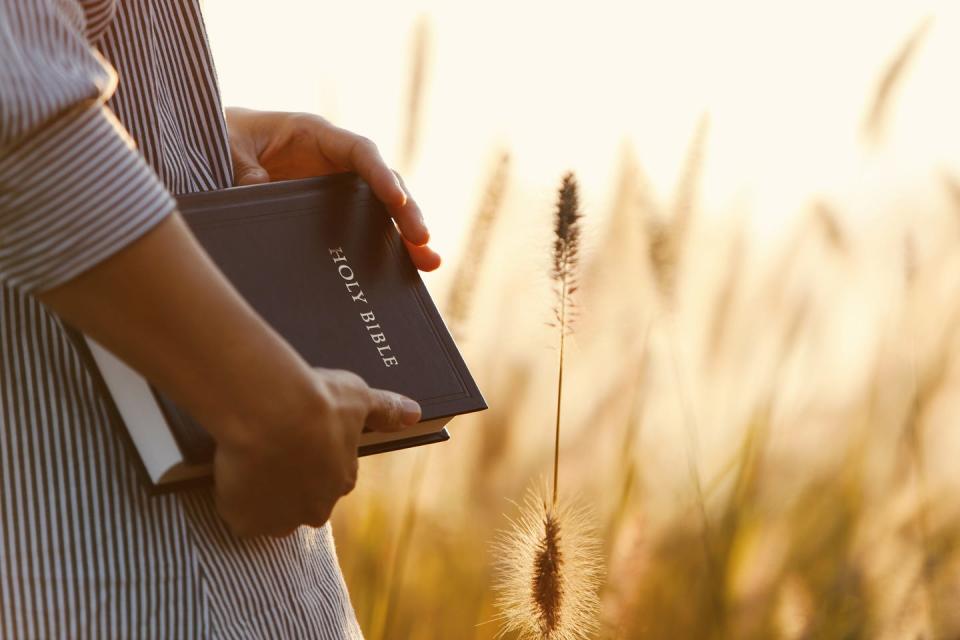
[[563, 85], [763, 376]]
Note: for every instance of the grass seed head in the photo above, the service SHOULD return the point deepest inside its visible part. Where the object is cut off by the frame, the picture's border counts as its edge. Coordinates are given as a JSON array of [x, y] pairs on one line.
[[548, 572], [566, 247]]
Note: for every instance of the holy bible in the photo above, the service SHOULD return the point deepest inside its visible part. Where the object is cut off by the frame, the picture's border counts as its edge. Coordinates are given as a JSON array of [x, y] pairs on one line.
[[322, 262]]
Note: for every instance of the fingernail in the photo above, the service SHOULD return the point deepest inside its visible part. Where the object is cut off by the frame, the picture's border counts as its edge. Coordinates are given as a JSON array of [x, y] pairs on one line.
[[409, 411]]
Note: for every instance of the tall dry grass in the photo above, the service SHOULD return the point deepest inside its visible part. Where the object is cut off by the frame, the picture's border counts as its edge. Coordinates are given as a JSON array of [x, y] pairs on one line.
[[416, 88], [548, 562], [767, 439]]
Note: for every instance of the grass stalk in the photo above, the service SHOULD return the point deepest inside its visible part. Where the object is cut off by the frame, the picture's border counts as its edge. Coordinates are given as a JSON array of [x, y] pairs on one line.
[[556, 431], [877, 115], [693, 464], [396, 568], [420, 50]]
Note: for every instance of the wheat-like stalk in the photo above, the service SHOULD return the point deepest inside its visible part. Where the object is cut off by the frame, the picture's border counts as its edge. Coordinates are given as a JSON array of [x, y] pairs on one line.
[[952, 185], [474, 255], [723, 302], [633, 202], [875, 121], [566, 257], [548, 561], [420, 51], [667, 238], [548, 572], [827, 222], [396, 567]]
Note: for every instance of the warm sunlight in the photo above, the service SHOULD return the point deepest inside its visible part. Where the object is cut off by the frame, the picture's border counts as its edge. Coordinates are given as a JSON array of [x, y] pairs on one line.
[[672, 354], [758, 403], [563, 85]]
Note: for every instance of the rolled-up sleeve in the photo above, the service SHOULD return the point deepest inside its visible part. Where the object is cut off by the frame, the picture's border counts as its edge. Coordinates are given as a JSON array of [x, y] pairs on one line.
[[73, 189]]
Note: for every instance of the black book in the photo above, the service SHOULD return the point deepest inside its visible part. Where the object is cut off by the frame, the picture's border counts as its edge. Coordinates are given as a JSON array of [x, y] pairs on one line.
[[321, 261]]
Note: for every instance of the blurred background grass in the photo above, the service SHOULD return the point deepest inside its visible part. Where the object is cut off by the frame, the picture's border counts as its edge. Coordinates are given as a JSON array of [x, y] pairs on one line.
[[761, 396]]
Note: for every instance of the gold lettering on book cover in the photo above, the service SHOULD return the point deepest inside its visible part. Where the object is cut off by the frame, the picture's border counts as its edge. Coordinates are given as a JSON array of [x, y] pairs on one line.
[[368, 317]]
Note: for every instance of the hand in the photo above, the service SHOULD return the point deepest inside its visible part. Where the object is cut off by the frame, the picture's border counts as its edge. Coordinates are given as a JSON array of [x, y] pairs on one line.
[[286, 433], [271, 480], [273, 145]]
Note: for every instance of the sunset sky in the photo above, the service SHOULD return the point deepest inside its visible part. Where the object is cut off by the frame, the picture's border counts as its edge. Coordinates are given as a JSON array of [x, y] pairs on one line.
[[564, 85]]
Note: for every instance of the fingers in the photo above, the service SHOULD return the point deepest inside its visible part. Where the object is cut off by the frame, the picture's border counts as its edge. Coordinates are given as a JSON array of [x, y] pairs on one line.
[[356, 153], [376, 409], [246, 168], [391, 411], [364, 158], [424, 258], [408, 216]]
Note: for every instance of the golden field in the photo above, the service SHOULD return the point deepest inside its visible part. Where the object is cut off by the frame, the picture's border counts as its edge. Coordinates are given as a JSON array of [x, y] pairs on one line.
[[762, 424]]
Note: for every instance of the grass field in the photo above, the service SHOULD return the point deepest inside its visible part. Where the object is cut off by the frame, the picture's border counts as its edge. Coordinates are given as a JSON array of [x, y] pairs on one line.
[[761, 424]]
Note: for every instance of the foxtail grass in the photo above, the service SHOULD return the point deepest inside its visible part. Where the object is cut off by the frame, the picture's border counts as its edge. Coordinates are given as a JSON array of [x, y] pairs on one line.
[[474, 255], [548, 563], [667, 238], [723, 301], [830, 228], [397, 565], [566, 257], [385, 602], [633, 202], [952, 185], [874, 126], [548, 572], [420, 53]]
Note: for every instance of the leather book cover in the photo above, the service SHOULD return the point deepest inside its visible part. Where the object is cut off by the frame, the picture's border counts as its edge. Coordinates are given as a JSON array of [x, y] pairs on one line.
[[322, 262]]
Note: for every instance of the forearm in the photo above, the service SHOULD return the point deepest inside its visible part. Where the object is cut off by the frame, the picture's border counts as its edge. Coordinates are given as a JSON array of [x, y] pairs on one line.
[[162, 306]]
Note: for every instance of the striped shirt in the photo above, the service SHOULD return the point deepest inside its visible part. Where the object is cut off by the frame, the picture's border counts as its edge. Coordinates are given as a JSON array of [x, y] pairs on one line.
[[84, 552]]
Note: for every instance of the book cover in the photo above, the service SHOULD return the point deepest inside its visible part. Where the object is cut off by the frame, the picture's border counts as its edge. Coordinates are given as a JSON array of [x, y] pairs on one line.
[[321, 261]]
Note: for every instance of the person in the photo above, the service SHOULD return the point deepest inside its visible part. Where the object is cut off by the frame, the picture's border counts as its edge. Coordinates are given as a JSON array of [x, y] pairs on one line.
[[106, 108]]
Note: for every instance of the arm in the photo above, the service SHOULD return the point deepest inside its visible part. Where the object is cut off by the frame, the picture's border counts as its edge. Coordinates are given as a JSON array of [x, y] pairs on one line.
[[282, 428], [87, 228]]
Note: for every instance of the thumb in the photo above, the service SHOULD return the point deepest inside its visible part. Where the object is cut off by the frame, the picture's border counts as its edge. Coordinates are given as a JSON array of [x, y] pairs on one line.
[[391, 411], [246, 168]]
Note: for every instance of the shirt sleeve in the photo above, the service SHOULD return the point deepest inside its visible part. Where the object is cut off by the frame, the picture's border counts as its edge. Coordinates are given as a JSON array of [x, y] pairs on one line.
[[73, 189]]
